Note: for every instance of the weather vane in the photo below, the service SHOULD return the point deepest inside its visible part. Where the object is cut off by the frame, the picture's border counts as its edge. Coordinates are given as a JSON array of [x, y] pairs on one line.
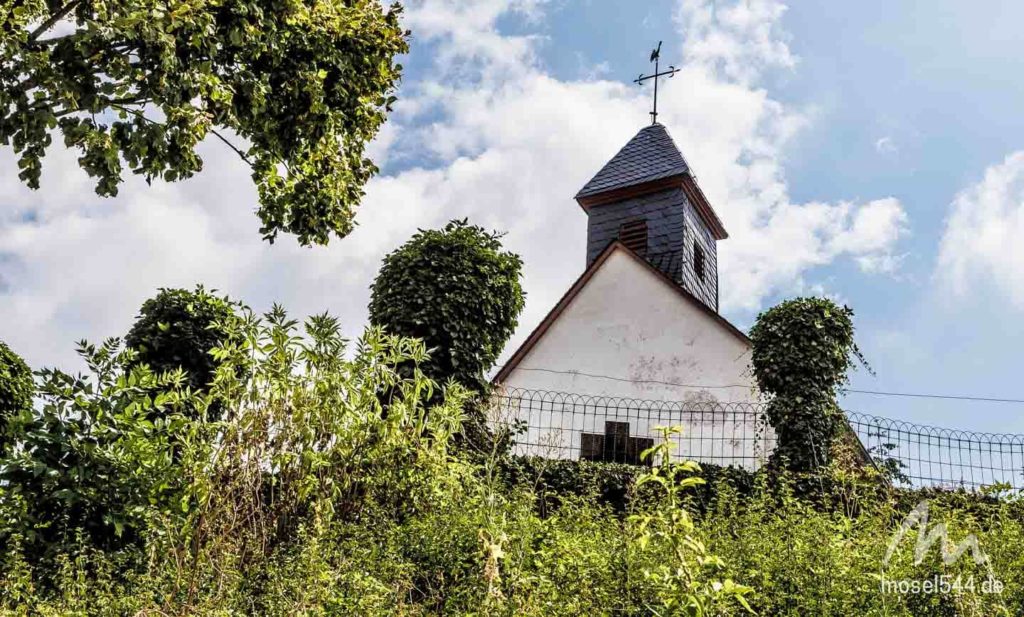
[[655, 56]]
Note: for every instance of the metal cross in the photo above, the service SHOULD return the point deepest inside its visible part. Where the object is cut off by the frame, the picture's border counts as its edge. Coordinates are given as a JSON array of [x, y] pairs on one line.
[[655, 55]]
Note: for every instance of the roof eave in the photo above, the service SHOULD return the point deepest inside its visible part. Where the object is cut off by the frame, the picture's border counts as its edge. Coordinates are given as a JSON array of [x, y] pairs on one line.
[[627, 192], [684, 181], [703, 207]]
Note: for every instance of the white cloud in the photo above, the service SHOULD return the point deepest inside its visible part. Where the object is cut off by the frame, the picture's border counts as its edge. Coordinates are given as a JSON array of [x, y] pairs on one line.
[[505, 143], [732, 132], [981, 244], [885, 145], [737, 40]]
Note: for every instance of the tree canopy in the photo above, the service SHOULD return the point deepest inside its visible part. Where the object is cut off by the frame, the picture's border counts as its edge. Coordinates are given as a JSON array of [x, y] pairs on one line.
[[137, 84], [458, 291]]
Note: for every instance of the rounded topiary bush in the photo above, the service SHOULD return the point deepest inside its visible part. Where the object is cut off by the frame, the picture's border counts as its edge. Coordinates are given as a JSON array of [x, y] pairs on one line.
[[458, 291], [177, 328], [803, 345], [16, 390]]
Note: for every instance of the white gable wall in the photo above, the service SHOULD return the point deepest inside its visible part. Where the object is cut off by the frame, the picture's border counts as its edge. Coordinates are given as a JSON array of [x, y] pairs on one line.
[[629, 324]]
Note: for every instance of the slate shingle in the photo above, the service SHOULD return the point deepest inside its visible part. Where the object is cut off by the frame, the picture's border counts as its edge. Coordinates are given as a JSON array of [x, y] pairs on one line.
[[650, 155]]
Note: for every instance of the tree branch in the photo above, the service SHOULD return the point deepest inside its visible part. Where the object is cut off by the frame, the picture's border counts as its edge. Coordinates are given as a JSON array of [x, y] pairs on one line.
[[241, 154], [213, 132], [49, 23]]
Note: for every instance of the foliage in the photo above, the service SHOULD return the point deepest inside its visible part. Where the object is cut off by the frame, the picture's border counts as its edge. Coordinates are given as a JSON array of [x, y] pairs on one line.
[[178, 328], [682, 576], [330, 485], [307, 440], [611, 484], [459, 292], [805, 560], [304, 443], [16, 390], [139, 83], [802, 350], [97, 460]]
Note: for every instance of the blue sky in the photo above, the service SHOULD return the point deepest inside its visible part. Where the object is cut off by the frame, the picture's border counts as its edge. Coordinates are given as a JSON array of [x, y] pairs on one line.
[[861, 150], [913, 100]]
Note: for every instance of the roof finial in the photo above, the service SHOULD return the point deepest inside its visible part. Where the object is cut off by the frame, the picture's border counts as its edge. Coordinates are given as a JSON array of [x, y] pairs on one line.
[[655, 56]]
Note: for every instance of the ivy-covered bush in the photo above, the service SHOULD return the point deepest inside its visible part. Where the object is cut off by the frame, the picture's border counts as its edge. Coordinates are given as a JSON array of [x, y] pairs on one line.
[[178, 328], [457, 291], [16, 390], [802, 350]]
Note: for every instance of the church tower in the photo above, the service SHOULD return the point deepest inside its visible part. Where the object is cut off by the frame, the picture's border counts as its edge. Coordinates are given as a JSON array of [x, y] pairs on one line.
[[647, 198]]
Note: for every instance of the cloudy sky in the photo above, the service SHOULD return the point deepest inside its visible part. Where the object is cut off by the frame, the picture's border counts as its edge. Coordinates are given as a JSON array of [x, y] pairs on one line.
[[870, 152]]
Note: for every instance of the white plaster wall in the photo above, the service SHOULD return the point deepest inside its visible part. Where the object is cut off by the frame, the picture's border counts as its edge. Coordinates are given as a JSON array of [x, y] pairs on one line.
[[628, 324]]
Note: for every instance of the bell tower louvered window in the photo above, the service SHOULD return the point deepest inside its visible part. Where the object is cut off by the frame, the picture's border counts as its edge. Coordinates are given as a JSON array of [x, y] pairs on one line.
[[634, 235], [698, 261]]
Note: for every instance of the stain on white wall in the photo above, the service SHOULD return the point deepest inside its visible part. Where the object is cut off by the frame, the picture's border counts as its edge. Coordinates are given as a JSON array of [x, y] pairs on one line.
[[628, 334]]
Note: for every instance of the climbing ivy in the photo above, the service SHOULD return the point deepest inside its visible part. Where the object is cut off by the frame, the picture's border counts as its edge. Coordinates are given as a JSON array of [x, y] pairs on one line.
[[16, 390], [803, 349]]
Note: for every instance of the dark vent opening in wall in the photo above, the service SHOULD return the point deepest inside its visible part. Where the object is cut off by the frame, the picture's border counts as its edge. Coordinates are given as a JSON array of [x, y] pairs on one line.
[[698, 261], [634, 235]]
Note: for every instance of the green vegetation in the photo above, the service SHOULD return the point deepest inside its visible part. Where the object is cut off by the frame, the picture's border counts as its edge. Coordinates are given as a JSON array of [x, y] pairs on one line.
[[328, 484], [96, 460], [178, 329], [138, 84], [16, 389], [803, 349], [457, 291]]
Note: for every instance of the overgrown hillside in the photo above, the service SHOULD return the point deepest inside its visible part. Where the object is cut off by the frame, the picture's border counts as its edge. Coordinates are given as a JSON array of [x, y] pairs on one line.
[[327, 486]]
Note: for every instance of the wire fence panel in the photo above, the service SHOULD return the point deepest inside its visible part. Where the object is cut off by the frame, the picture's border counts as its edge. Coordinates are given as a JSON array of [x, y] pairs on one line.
[[573, 426], [922, 455]]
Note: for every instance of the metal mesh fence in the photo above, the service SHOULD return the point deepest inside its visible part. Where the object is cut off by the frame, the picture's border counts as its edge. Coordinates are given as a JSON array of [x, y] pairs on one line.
[[931, 456], [573, 426]]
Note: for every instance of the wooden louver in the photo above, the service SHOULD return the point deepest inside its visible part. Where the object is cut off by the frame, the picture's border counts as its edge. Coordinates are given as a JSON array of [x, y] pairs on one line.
[[698, 261], [633, 234]]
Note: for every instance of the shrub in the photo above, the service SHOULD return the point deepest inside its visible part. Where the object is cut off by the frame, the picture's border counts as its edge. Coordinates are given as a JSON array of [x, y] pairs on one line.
[[16, 390], [609, 484], [457, 291], [97, 459], [802, 350], [682, 573], [178, 328], [304, 446], [801, 559], [330, 486]]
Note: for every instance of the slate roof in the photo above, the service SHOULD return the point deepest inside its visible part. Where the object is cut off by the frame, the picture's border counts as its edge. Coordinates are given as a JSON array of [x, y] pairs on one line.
[[650, 155]]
